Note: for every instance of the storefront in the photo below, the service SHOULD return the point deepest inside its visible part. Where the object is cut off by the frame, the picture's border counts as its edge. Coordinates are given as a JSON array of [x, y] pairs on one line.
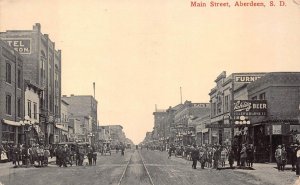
[[10, 132]]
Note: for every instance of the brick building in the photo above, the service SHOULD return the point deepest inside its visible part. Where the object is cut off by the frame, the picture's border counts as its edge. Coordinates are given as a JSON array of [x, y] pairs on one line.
[[11, 94], [84, 108], [42, 66], [281, 90], [186, 133], [221, 98]]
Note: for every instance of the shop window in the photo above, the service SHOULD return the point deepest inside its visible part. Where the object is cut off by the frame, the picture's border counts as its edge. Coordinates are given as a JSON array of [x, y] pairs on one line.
[[8, 73], [8, 104]]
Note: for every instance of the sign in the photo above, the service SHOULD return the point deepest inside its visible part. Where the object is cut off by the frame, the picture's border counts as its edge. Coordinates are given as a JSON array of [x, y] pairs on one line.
[[21, 45], [276, 130], [218, 126], [250, 108], [246, 78]]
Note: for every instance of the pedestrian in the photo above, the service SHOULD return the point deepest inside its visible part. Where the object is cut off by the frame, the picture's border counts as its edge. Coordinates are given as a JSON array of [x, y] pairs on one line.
[[46, 156], [15, 156], [294, 156], [298, 161], [90, 155], [243, 155], [223, 156], [250, 155], [231, 157], [194, 156], [202, 156], [278, 157], [94, 158], [283, 158], [122, 149]]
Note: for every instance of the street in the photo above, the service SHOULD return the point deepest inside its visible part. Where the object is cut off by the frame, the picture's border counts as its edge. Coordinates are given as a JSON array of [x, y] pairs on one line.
[[142, 167]]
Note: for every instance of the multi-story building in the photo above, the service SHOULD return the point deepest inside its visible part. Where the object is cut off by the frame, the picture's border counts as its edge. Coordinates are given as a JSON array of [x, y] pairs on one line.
[[221, 97], [42, 66], [76, 132], [281, 93], [117, 135], [185, 131], [83, 108], [11, 94], [61, 130], [160, 124], [33, 132]]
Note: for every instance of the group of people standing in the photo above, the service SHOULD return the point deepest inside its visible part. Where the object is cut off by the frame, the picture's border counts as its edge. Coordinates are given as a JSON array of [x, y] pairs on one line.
[[215, 156], [22, 155]]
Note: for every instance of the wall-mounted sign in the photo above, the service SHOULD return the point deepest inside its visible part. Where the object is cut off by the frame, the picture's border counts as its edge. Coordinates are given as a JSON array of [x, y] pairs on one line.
[[276, 129], [21, 45], [246, 78], [250, 108]]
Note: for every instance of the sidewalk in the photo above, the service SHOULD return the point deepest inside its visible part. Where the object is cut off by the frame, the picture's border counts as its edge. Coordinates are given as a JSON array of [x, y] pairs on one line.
[[269, 173], [266, 172]]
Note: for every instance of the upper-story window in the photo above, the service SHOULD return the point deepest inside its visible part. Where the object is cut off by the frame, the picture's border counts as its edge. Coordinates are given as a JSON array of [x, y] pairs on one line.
[[8, 73], [29, 108], [262, 96], [254, 98], [19, 78], [8, 104]]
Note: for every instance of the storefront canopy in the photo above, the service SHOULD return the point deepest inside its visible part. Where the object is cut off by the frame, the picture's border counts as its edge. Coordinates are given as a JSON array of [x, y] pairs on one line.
[[12, 123]]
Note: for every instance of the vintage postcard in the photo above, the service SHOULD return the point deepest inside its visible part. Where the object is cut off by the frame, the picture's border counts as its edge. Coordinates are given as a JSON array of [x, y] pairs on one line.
[[149, 92]]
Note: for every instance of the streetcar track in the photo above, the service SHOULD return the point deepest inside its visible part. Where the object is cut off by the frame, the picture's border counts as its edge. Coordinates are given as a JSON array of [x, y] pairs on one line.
[[123, 174], [146, 168], [143, 163]]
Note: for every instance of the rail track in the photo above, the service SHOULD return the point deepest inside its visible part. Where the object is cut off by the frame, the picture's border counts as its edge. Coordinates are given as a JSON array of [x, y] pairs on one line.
[[129, 163]]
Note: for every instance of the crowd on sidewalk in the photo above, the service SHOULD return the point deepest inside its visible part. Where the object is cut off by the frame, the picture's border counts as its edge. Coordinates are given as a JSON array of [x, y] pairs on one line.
[[243, 156]]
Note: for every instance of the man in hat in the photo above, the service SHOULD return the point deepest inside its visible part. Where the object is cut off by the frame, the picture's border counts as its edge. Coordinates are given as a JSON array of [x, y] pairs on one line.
[[294, 148], [194, 156], [278, 157]]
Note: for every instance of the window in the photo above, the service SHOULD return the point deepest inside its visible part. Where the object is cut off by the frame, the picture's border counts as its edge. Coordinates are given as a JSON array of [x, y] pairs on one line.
[[19, 81], [262, 96], [254, 98], [8, 104], [34, 110], [227, 103], [8, 73], [19, 107], [29, 108]]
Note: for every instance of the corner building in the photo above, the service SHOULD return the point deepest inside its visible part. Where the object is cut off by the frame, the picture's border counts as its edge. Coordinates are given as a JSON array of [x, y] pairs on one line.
[[11, 95], [42, 67]]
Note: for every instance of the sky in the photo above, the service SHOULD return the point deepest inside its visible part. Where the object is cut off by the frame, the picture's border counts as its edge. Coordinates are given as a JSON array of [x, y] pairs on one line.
[[140, 52]]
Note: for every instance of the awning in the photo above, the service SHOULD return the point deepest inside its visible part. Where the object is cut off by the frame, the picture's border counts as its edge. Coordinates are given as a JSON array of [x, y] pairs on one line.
[[60, 127], [12, 123]]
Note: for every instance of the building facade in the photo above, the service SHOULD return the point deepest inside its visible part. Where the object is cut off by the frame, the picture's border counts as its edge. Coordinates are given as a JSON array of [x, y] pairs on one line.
[[11, 95], [84, 108], [227, 90], [281, 91], [42, 66]]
